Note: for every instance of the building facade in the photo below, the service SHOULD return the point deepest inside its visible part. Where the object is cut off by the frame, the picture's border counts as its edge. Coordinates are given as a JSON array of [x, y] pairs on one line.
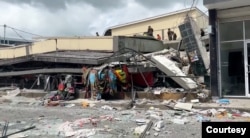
[[13, 41], [160, 24], [229, 21]]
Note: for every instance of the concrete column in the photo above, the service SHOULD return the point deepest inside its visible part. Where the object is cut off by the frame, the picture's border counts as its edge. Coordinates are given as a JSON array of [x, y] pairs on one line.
[[162, 34], [214, 63]]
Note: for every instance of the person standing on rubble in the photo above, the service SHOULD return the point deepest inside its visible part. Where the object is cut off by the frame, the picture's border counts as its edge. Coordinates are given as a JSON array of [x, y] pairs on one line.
[[174, 36], [150, 31], [170, 34]]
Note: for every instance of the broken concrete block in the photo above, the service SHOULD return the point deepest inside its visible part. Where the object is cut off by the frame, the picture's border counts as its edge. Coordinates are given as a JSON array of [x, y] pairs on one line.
[[12, 93], [106, 107], [195, 101], [157, 129], [118, 119], [139, 130], [70, 105], [179, 121], [184, 106], [156, 134], [157, 92], [158, 125], [213, 112]]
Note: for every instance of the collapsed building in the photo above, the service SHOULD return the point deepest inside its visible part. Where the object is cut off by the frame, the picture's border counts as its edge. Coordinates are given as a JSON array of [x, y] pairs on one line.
[[107, 64]]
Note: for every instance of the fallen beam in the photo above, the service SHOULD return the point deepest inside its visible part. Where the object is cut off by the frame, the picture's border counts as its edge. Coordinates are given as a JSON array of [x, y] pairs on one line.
[[149, 125], [23, 130], [169, 68]]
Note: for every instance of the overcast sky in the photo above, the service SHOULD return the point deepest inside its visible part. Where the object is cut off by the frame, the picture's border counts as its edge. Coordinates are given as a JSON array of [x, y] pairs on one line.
[[79, 17]]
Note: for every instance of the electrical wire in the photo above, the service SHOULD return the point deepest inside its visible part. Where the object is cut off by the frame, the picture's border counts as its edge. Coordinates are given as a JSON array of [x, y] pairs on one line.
[[196, 3], [23, 31], [192, 5], [185, 3], [20, 35]]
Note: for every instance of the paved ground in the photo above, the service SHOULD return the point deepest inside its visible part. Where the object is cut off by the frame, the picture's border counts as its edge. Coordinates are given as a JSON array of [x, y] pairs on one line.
[[24, 112]]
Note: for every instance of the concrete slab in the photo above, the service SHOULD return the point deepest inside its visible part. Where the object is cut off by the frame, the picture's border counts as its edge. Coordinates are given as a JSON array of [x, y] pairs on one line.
[[169, 68]]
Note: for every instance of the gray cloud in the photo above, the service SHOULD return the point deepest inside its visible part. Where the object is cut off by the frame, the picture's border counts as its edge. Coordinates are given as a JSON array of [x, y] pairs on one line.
[[62, 4], [106, 4], [50, 4], [153, 4]]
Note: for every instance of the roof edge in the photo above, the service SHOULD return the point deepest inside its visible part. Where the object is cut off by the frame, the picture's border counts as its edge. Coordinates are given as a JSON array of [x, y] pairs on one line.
[[155, 17]]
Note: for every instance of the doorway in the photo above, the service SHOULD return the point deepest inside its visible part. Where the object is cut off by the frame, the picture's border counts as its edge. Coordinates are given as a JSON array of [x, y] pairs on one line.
[[232, 69]]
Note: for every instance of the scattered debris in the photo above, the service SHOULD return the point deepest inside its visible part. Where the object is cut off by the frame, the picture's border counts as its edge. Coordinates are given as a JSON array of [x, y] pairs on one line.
[[70, 105], [106, 107], [146, 129], [181, 121], [13, 93], [53, 103], [85, 104], [195, 101], [141, 121], [223, 101], [245, 114], [158, 125], [139, 130], [202, 119], [156, 134]]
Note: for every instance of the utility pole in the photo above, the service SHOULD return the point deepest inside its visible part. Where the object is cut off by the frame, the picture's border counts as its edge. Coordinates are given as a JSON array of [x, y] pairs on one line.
[[4, 33]]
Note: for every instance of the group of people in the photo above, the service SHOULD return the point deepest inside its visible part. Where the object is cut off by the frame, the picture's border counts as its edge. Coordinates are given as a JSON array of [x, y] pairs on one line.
[[171, 34]]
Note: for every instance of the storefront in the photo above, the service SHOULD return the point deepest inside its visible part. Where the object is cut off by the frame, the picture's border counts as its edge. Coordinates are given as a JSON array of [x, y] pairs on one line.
[[229, 48], [234, 53]]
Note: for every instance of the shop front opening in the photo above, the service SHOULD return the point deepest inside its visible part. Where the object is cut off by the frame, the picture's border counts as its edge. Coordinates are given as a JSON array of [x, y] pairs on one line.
[[234, 56]]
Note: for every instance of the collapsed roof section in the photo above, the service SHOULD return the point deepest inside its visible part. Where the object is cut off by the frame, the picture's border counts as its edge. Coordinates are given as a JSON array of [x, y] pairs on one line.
[[91, 51], [84, 50]]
